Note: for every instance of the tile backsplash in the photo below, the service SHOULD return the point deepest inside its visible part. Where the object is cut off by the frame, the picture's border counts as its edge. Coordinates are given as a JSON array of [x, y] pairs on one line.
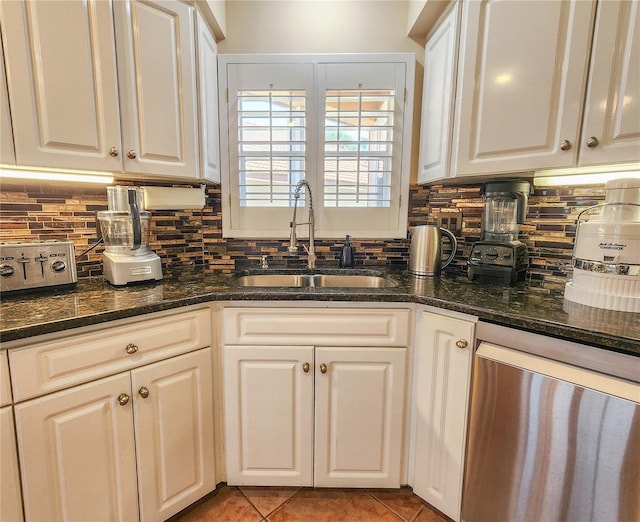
[[42, 212]]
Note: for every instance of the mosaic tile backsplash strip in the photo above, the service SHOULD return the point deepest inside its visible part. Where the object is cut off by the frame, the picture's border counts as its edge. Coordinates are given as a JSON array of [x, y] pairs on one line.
[[40, 212]]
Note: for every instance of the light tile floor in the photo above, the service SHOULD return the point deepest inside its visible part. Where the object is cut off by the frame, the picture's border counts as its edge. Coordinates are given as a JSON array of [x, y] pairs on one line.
[[281, 504]]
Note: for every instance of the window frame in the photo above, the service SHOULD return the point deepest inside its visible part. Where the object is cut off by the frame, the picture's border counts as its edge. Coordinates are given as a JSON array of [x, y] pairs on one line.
[[331, 222]]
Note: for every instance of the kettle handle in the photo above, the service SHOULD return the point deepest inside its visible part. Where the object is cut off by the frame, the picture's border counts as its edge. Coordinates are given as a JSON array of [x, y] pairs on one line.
[[454, 247]]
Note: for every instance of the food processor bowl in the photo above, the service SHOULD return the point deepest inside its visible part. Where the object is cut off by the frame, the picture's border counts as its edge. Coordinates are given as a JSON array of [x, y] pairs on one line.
[[118, 232]]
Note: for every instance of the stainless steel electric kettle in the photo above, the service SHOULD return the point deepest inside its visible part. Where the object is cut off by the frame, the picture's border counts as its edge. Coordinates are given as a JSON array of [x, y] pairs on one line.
[[425, 252]]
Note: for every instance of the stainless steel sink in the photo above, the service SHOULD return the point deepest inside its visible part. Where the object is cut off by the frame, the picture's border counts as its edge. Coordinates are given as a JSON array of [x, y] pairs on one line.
[[275, 280], [352, 281], [314, 280]]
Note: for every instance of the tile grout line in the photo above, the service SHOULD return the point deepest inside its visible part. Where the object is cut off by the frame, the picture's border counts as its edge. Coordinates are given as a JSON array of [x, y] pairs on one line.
[[301, 488], [385, 506], [262, 517], [265, 517]]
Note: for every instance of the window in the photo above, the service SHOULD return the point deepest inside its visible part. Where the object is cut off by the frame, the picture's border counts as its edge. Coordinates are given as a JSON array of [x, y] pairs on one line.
[[341, 122]]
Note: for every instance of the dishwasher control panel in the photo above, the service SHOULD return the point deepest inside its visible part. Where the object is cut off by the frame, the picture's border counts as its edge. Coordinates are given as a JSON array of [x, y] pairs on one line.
[[26, 266]]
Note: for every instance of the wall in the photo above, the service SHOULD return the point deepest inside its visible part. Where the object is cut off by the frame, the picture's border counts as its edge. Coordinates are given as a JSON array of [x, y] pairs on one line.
[[310, 26], [187, 238]]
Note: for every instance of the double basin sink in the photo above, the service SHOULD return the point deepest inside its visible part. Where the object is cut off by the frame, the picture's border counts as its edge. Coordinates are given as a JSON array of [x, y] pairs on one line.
[[316, 280]]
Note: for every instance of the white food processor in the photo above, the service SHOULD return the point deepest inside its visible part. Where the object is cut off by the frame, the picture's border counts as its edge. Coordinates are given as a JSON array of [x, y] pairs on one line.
[[606, 254], [125, 230]]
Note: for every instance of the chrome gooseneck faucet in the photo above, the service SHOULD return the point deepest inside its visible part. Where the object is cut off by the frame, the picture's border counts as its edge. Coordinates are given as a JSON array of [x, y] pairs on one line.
[[293, 241]]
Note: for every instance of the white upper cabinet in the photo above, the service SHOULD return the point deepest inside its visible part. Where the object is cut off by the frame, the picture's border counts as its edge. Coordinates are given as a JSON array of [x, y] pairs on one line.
[[208, 99], [521, 82], [611, 129], [7, 155], [61, 67], [440, 58], [110, 86], [156, 73]]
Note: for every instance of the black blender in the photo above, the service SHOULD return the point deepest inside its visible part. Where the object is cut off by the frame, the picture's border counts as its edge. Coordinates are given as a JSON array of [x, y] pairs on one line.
[[499, 257]]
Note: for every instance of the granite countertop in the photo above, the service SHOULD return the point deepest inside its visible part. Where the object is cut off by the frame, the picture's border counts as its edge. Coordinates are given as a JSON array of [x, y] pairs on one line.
[[538, 309]]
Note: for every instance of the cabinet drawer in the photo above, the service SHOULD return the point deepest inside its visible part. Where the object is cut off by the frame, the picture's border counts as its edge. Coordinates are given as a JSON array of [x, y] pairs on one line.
[[326, 327], [5, 383], [44, 367]]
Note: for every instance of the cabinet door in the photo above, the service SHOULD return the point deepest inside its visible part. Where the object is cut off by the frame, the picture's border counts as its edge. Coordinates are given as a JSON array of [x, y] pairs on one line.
[[437, 98], [359, 416], [442, 370], [612, 109], [7, 155], [173, 406], [208, 98], [156, 74], [61, 67], [269, 415], [77, 455], [10, 499], [520, 85]]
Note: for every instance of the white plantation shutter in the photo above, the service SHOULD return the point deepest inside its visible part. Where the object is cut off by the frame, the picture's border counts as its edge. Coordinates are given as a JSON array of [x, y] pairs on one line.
[[343, 122], [271, 146], [358, 148], [268, 120], [363, 141]]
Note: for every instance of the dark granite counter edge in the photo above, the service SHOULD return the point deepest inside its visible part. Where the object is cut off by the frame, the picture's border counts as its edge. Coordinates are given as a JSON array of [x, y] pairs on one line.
[[613, 343]]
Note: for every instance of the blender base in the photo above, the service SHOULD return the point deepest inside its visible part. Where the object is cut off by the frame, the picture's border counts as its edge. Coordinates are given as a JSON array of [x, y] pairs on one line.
[[121, 270], [497, 262]]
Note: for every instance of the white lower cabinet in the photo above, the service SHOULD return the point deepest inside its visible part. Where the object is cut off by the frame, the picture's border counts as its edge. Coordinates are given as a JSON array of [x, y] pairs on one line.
[[359, 406], [269, 415], [139, 440], [441, 375], [113, 422], [10, 499], [77, 453], [173, 412], [307, 415]]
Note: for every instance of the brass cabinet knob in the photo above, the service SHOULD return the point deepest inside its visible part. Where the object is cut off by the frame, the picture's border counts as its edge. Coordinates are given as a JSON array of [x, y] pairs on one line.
[[123, 399], [305, 367], [113, 151], [131, 348], [593, 142], [462, 343], [323, 368], [144, 392], [565, 145], [131, 154]]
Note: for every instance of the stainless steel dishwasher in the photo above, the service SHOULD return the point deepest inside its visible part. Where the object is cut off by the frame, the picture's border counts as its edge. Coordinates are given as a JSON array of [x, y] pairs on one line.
[[548, 440]]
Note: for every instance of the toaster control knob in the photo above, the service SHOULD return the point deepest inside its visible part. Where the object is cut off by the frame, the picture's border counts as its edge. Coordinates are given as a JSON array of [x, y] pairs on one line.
[[491, 254], [6, 270], [58, 265]]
